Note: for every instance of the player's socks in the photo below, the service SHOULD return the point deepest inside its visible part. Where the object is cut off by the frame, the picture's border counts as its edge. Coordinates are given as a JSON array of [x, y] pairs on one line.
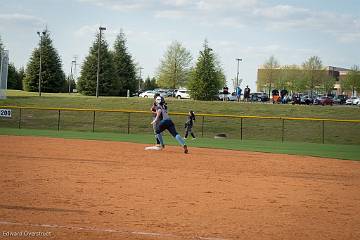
[[159, 137], [180, 140]]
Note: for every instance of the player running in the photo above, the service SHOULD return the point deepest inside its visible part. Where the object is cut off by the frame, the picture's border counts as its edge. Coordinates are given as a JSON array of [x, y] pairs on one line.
[[166, 123]]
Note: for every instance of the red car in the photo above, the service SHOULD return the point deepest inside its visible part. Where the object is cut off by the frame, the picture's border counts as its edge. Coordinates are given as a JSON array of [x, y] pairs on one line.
[[326, 101]]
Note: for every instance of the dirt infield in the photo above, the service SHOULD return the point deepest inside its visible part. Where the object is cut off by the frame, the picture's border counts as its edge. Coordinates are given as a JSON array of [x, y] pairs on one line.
[[76, 189]]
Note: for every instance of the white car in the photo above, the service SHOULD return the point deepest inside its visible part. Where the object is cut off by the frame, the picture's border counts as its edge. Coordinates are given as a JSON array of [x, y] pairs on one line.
[[182, 94], [147, 94], [226, 96], [352, 101]]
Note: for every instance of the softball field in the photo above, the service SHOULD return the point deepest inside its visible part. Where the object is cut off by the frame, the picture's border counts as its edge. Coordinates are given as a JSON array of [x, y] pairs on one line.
[[82, 189]]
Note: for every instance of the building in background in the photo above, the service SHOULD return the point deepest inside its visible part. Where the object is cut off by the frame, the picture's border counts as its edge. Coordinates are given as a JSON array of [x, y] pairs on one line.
[[290, 77]]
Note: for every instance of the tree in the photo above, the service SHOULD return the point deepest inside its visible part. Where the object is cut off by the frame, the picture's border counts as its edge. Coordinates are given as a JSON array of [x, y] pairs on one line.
[[125, 69], [294, 79], [328, 83], [352, 80], [52, 75], [270, 70], [207, 76], [313, 73], [173, 71], [150, 84], [14, 78], [88, 75]]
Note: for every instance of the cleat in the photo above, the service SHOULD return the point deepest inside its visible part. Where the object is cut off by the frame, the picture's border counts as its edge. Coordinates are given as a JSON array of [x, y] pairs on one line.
[[185, 149], [193, 139]]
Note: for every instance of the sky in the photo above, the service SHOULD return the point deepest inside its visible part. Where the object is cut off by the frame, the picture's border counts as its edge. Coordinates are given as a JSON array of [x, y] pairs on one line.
[[290, 30]]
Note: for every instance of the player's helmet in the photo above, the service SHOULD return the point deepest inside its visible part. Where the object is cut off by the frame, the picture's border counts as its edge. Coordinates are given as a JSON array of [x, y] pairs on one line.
[[160, 100]]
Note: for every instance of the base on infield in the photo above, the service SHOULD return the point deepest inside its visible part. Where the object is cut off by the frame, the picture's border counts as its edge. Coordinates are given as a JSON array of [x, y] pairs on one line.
[[156, 148]]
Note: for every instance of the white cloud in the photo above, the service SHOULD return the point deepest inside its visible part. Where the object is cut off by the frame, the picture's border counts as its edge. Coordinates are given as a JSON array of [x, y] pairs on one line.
[[118, 5], [242, 14], [18, 18], [170, 14]]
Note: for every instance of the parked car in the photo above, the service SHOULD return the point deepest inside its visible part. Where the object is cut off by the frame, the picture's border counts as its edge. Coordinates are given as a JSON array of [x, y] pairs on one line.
[[147, 94], [162, 92], [340, 99], [182, 94], [172, 92], [259, 97], [226, 96], [306, 99], [137, 93], [324, 100], [352, 101]]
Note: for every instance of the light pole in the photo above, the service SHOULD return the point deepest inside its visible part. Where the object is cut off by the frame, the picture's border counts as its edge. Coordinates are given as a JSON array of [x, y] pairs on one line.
[[98, 67], [40, 70], [237, 75], [140, 78], [71, 74]]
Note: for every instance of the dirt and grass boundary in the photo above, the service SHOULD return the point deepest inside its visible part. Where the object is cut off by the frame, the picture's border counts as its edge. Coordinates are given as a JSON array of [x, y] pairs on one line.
[[345, 152]]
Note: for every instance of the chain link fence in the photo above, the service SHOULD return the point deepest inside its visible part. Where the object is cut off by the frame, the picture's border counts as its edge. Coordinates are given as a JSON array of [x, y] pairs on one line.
[[329, 131]]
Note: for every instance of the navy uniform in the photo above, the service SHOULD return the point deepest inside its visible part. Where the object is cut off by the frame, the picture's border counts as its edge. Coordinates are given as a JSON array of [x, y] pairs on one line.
[[166, 124]]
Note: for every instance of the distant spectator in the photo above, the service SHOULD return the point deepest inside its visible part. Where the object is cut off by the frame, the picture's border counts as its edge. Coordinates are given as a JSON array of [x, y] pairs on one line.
[[247, 93], [283, 94], [275, 96], [238, 93]]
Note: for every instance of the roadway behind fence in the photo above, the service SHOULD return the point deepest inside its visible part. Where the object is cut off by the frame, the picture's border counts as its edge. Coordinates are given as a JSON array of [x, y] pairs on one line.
[[313, 130]]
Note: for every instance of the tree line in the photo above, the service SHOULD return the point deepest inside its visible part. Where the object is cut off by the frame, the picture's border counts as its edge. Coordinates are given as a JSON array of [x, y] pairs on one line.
[[118, 72], [311, 76]]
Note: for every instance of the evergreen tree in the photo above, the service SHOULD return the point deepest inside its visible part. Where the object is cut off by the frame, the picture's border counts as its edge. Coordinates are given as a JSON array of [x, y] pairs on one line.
[[52, 75], [150, 83], [88, 75], [173, 71], [14, 78], [125, 69], [207, 76], [21, 74]]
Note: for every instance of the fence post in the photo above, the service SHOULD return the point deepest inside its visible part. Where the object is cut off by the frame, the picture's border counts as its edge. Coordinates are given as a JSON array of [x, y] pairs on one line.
[[59, 121], [323, 131], [93, 122], [20, 119], [202, 126], [282, 130], [128, 123], [241, 129]]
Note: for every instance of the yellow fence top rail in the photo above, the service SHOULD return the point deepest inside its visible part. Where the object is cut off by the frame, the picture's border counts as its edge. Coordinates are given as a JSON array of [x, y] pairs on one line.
[[178, 113]]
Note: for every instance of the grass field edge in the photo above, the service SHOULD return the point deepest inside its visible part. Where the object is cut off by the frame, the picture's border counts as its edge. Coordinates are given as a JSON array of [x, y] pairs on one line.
[[341, 152]]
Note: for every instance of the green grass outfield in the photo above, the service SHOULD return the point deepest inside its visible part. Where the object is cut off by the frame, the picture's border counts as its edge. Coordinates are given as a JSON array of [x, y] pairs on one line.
[[65, 100], [253, 129], [346, 152]]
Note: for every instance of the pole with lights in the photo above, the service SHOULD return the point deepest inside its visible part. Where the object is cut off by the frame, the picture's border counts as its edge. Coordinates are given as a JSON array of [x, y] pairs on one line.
[[98, 67]]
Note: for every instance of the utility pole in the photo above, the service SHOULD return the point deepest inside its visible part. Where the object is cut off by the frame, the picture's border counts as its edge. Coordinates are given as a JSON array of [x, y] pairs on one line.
[[71, 75], [40, 67], [140, 68], [237, 74], [98, 67]]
